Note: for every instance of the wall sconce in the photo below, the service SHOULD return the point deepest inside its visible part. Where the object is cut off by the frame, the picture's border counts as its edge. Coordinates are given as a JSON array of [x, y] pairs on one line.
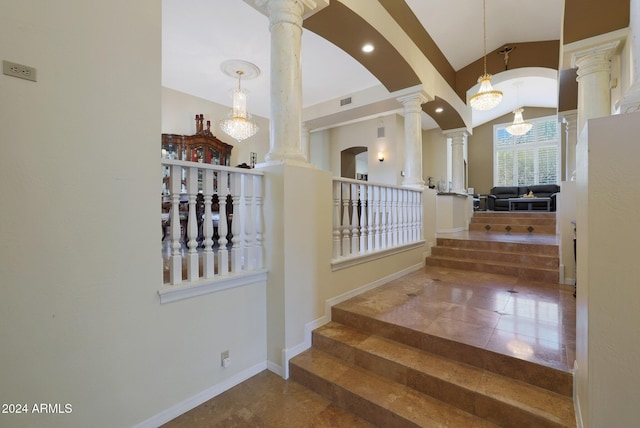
[[380, 156]]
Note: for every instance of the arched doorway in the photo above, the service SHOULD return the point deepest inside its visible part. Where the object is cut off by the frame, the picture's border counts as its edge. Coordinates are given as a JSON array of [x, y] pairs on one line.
[[354, 163]]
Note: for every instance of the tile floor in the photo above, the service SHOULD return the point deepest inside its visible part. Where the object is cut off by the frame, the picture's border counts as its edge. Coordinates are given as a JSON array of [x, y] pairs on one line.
[[530, 320]]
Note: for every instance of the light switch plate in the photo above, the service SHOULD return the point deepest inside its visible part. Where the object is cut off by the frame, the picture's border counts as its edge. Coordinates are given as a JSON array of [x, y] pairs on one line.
[[18, 70]]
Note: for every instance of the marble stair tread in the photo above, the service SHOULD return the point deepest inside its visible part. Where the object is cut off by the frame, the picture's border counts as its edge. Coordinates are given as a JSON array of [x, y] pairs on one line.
[[375, 398], [467, 387], [513, 228], [526, 258], [496, 263], [499, 245], [514, 220]]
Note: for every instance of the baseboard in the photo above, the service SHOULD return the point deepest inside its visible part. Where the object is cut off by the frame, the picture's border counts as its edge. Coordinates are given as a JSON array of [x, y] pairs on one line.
[[206, 395], [375, 284], [576, 402], [289, 353]]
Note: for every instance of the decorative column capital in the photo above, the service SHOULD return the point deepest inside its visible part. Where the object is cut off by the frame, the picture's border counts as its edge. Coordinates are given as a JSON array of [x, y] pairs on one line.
[[595, 59], [414, 101], [288, 10], [457, 135]]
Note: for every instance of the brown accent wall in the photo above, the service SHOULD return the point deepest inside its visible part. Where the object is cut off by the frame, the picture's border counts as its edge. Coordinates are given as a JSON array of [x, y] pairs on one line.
[[530, 54], [588, 18], [347, 30], [402, 14]]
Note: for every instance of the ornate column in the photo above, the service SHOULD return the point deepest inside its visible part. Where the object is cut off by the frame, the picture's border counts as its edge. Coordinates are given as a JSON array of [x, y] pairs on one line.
[[458, 137], [630, 102], [594, 74], [285, 24], [413, 138], [305, 143], [570, 121]]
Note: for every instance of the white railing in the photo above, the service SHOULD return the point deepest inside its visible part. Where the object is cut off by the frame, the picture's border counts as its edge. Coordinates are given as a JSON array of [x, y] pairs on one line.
[[371, 218], [211, 221]]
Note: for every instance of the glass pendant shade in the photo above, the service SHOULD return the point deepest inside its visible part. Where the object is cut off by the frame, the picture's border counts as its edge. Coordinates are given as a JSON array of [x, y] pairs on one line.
[[519, 126], [487, 97], [238, 125]]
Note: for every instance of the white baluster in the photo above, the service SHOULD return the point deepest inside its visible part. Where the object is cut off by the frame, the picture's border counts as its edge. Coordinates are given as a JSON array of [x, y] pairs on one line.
[[208, 270], [249, 237], [223, 253], [389, 203], [355, 232], [257, 194], [370, 219], [414, 217], [363, 218], [175, 261], [377, 218], [383, 218], [192, 225], [404, 210], [236, 223], [346, 241], [395, 207], [336, 220]]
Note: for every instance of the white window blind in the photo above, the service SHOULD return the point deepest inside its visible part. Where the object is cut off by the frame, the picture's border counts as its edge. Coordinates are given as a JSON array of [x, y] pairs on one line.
[[533, 158]]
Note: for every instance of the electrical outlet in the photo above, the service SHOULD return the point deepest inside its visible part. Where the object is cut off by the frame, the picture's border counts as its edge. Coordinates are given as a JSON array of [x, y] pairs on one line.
[[224, 359], [18, 70]]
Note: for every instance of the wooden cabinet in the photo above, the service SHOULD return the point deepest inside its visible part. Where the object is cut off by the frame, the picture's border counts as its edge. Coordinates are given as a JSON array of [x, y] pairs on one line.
[[202, 147]]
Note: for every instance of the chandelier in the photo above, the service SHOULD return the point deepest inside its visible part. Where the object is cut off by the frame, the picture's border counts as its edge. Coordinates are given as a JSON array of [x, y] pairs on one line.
[[239, 125], [487, 97], [519, 126]]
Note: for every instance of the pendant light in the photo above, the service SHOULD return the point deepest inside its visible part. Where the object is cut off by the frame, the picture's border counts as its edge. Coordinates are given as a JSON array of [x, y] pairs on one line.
[[519, 126], [239, 125], [487, 97]]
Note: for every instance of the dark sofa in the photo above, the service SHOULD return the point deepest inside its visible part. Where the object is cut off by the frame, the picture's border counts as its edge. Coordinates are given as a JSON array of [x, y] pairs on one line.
[[498, 199]]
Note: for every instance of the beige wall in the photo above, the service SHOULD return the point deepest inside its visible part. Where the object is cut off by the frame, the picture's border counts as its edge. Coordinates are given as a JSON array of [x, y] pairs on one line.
[[434, 155], [480, 149], [81, 321], [608, 219], [178, 117]]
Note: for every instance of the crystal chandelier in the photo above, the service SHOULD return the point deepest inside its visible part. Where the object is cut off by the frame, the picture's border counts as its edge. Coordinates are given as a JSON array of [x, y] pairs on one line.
[[519, 126], [238, 125], [487, 97]]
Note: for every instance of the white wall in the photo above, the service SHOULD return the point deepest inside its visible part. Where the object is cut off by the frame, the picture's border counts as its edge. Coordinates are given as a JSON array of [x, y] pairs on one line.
[[434, 156], [80, 318], [178, 117], [608, 219], [320, 149]]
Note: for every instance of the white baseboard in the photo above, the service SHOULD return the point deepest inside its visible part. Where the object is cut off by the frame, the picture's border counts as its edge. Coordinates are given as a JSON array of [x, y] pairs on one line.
[[576, 402], [289, 353], [206, 395]]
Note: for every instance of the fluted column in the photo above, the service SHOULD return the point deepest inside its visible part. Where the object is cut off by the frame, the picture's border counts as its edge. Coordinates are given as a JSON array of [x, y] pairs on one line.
[[285, 24], [570, 122], [594, 75], [413, 138], [458, 137]]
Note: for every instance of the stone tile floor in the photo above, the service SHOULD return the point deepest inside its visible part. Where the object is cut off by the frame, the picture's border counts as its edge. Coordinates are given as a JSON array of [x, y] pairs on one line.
[[529, 320]]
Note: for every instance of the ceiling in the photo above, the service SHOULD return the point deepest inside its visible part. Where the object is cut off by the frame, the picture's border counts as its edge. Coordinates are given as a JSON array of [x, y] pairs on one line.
[[198, 35]]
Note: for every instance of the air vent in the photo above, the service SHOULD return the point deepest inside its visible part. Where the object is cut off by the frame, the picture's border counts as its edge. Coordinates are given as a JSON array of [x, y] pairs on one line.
[[381, 131], [345, 101]]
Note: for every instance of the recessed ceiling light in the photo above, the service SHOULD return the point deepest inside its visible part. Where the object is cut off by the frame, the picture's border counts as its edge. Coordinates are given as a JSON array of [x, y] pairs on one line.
[[439, 110], [368, 48]]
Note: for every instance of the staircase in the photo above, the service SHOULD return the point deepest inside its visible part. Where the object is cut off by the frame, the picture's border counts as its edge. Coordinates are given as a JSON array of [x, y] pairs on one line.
[[393, 376], [519, 244]]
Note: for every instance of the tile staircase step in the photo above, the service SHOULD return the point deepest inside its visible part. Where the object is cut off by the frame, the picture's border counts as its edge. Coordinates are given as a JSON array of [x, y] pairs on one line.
[[526, 259], [497, 398], [513, 228], [488, 245], [519, 214], [373, 397], [496, 267], [514, 220], [544, 376]]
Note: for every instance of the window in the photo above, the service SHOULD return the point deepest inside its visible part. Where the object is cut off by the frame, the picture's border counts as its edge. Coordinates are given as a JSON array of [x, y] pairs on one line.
[[533, 158]]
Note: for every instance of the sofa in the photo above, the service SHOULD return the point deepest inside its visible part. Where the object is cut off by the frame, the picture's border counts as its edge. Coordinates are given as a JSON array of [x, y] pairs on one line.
[[498, 198]]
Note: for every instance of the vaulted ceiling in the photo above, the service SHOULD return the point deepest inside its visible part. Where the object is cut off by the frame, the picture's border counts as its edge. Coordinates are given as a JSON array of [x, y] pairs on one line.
[[198, 35]]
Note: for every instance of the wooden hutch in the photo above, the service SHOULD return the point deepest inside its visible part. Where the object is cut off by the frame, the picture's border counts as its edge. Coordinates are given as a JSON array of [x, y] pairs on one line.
[[202, 147]]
